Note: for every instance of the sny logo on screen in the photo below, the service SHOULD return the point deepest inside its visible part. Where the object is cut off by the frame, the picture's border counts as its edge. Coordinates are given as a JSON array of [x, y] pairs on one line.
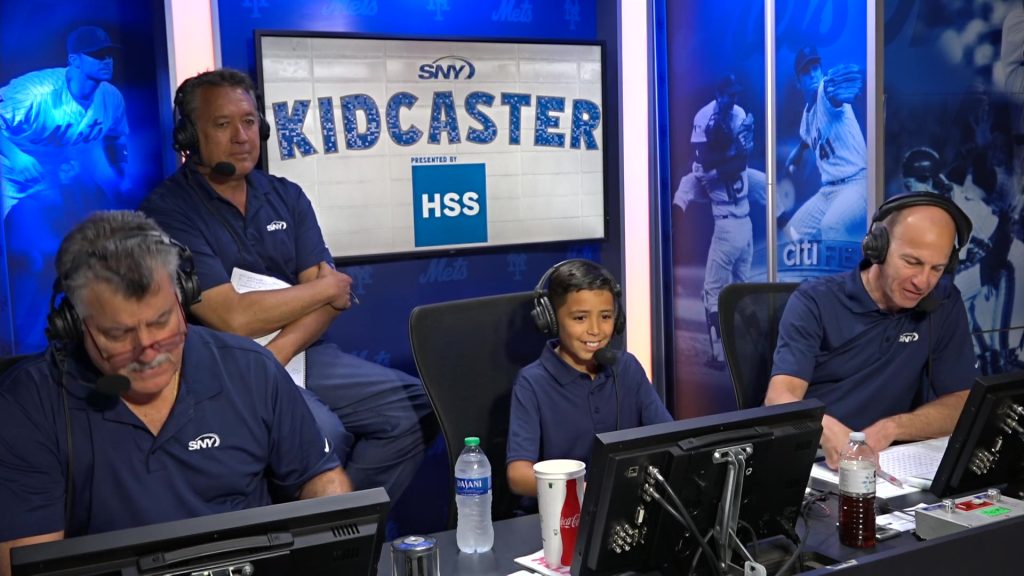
[[449, 204], [447, 68]]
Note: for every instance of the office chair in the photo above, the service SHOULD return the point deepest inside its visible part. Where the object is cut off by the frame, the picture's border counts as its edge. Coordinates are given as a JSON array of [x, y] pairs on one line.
[[468, 353], [749, 314]]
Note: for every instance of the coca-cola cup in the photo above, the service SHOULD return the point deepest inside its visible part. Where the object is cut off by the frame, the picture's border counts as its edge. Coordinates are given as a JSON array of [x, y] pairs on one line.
[[559, 495]]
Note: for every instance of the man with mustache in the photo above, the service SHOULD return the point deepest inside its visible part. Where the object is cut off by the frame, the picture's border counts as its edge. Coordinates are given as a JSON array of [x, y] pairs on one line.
[[886, 347], [132, 416]]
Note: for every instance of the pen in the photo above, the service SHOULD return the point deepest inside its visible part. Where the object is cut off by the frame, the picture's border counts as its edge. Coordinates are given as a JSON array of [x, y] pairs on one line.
[[353, 297], [917, 482], [890, 478]]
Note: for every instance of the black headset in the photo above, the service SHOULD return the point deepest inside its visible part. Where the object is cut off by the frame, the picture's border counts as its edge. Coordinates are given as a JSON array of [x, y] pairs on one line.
[[876, 243], [185, 136], [543, 312], [63, 324]]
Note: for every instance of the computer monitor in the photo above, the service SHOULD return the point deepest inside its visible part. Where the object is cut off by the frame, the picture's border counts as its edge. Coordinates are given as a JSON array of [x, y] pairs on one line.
[[768, 451], [986, 448], [331, 535]]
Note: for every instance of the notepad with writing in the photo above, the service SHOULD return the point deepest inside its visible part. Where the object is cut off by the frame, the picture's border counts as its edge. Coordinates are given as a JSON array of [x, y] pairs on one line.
[[914, 460]]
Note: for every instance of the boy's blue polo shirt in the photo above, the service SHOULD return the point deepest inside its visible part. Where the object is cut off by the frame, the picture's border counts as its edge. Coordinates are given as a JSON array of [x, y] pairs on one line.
[[277, 236], [557, 410], [865, 363], [237, 423]]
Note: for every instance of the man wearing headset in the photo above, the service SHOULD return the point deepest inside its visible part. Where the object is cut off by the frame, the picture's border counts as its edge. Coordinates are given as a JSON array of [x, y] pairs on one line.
[[133, 417], [231, 215], [886, 347]]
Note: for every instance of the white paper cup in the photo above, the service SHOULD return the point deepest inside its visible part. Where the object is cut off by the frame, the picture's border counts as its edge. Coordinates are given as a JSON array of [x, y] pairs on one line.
[[559, 511]]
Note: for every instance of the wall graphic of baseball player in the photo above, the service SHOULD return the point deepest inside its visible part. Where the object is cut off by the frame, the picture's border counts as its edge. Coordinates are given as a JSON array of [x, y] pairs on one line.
[[65, 126], [830, 131], [986, 272], [63, 154], [723, 138]]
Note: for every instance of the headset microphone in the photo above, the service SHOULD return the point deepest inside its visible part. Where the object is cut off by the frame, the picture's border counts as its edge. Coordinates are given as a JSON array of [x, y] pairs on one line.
[[225, 169], [113, 384], [606, 357]]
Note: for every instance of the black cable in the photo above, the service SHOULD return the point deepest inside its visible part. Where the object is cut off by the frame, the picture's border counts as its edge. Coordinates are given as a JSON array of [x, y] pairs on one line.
[[753, 536], [69, 484], [683, 515], [800, 545], [202, 199], [696, 557], [615, 384]]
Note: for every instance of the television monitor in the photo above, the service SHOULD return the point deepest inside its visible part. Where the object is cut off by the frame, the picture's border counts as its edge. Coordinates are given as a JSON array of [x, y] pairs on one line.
[[418, 145], [331, 535], [986, 448], [622, 529]]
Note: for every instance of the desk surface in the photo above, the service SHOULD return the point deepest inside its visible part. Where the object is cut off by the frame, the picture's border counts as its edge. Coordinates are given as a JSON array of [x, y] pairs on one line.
[[948, 555], [512, 539]]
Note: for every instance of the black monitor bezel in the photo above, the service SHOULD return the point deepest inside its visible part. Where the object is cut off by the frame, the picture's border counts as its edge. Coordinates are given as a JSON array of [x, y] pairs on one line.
[[344, 516], [973, 426], [595, 509]]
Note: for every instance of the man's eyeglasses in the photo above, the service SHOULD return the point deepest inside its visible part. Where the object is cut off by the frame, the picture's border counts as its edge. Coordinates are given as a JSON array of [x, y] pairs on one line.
[[121, 359]]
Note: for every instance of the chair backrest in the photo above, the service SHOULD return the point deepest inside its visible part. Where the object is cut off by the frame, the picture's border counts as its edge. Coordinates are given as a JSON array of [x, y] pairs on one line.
[[468, 353], [749, 314]]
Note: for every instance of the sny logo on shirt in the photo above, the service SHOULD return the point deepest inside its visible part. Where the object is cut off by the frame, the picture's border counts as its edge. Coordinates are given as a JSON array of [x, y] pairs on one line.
[[907, 337], [208, 440], [276, 225]]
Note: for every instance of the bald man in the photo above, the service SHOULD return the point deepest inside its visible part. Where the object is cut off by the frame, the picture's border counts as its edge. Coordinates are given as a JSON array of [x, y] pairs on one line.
[[886, 347]]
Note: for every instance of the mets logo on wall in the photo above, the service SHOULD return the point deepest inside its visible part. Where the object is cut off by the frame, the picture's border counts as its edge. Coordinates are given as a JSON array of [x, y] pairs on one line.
[[449, 204]]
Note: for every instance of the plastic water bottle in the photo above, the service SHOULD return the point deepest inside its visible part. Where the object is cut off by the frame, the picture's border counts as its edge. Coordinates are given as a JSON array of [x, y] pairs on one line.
[[474, 532], [857, 493]]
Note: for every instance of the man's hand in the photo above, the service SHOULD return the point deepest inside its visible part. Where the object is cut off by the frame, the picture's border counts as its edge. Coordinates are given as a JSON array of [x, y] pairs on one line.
[[880, 435], [843, 83], [834, 437], [341, 282]]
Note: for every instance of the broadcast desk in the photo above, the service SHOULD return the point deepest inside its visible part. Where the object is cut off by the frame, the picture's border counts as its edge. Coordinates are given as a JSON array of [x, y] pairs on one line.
[[989, 550]]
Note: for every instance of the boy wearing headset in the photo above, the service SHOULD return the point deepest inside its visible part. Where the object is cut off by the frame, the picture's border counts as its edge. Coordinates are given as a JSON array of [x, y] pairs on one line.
[[886, 347], [577, 388]]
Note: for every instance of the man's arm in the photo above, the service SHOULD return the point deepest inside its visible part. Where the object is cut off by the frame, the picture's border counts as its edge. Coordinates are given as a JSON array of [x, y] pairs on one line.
[[521, 479], [260, 312], [932, 420], [326, 484], [5, 548], [834, 434], [299, 334]]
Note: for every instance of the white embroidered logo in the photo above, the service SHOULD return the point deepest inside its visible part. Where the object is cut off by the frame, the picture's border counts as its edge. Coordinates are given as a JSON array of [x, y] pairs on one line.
[[208, 440], [907, 337], [276, 225]]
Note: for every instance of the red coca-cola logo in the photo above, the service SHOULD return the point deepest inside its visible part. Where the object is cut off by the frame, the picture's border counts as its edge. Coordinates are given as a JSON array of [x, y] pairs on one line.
[[569, 520]]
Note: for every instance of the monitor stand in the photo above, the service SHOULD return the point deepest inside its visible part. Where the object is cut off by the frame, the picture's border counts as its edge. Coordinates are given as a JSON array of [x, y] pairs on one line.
[[770, 557]]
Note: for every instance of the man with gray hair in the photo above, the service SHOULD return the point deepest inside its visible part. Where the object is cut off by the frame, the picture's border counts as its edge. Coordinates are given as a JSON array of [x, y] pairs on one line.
[[131, 416]]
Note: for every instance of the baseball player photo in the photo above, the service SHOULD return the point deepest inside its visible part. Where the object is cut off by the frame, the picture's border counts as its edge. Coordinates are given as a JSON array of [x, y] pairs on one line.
[[63, 154], [63, 127], [723, 137], [829, 130]]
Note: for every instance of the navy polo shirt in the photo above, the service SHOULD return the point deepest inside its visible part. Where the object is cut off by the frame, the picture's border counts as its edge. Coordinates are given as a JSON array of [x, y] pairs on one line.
[[557, 410], [237, 424], [277, 236], [865, 363]]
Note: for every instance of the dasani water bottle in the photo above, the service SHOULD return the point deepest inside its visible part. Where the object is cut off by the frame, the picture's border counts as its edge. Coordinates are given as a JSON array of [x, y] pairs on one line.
[[474, 532]]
